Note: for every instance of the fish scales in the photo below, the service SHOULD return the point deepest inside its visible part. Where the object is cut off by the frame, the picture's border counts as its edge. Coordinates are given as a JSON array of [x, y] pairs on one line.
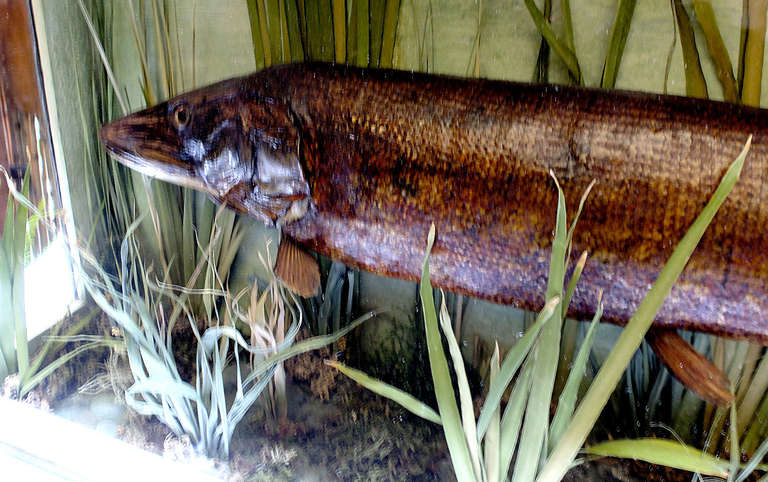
[[386, 153], [476, 161]]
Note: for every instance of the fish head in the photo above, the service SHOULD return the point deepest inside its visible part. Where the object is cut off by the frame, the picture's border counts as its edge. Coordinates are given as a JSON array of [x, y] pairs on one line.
[[241, 151]]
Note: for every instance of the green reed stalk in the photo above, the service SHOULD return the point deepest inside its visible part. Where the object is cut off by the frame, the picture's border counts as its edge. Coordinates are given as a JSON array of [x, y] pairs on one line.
[[717, 50], [695, 84], [754, 48], [618, 41]]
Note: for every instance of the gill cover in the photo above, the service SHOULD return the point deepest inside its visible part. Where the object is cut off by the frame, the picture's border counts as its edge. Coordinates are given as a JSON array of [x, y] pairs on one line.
[[278, 177]]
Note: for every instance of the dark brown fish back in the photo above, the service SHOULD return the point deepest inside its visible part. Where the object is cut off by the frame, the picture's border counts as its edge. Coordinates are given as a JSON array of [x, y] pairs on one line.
[[387, 153]]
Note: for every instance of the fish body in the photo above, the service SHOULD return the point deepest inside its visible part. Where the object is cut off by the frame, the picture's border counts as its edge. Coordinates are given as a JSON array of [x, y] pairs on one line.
[[356, 164]]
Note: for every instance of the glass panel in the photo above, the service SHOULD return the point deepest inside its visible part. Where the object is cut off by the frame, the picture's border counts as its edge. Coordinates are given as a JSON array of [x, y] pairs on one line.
[[25, 148]]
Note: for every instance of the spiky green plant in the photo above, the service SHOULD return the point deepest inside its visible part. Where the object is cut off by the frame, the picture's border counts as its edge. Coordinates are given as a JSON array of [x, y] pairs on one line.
[[146, 313], [21, 223]]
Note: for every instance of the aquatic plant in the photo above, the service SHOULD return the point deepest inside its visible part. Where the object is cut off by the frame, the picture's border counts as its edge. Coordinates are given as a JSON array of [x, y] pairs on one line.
[[267, 318], [146, 312], [356, 32], [14, 245], [22, 220]]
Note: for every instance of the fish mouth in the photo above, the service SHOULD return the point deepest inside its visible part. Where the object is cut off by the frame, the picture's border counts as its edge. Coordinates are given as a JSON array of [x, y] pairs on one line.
[[134, 142]]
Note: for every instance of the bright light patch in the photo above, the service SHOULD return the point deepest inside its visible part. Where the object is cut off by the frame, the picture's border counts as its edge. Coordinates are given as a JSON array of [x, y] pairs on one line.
[[49, 288]]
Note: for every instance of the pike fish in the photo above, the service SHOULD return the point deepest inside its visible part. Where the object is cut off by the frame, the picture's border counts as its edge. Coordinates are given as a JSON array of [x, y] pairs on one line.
[[356, 164]]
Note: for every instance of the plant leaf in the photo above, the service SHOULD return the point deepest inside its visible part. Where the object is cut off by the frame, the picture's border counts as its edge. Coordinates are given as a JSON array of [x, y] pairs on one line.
[[512, 361], [404, 399], [465, 397], [567, 401], [706, 17], [695, 84], [567, 55], [446, 401], [491, 443], [619, 34], [663, 452], [513, 418]]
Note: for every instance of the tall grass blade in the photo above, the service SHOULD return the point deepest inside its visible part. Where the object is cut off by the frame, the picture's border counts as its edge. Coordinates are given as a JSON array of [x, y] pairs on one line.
[[285, 39], [376, 15], [740, 66], [754, 462], [465, 397], [734, 353], [560, 47], [339, 29], [512, 361], [404, 399], [618, 359], [533, 444], [8, 258], [449, 412], [567, 400], [753, 51], [475, 59], [573, 281], [363, 32], [619, 34], [695, 84], [754, 394], [294, 31], [492, 435], [513, 418], [18, 256], [565, 12], [103, 56], [161, 57], [266, 38], [663, 452], [750, 363], [319, 27], [757, 429], [260, 47], [149, 94], [541, 71], [389, 33], [273, 24], [734, 448], [706, 17]]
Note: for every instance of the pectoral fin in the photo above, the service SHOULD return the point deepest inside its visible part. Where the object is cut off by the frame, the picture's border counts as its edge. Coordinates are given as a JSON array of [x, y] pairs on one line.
[[690, 367], [297, 268]]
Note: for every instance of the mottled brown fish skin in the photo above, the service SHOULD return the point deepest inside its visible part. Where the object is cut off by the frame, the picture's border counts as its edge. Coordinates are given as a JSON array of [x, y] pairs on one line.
[[387, 153]]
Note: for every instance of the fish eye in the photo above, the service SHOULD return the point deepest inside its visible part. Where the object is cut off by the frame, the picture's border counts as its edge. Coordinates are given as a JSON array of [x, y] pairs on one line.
[[181, 115]]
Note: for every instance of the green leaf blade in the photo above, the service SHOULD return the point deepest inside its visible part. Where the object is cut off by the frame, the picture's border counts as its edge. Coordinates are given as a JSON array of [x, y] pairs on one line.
[[404, 399], [446, 402], [663, 452]]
